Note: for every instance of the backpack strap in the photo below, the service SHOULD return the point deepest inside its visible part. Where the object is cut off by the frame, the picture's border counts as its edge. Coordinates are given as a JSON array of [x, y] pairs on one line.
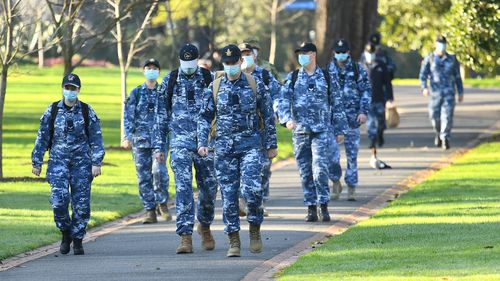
[[85, 113], [295, 74], [172, 80], [356, 71], [207, 76], [266, 77], [52, 120], [326, 74]]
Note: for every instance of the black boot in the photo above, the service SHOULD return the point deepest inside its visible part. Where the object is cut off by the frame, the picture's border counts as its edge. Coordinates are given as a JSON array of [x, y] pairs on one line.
[[437, 141], [446, 144], [380, 138], [78, 247], [325, 216], [65, 242], [312, 214]]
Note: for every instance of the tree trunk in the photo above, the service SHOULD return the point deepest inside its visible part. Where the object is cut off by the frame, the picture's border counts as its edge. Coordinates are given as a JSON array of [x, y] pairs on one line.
[[40, 39], [3, 90], [274, 20], [351, 20], [123, 76]]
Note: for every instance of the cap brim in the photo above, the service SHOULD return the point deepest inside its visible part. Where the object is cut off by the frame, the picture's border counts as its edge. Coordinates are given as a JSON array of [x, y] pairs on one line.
[[300, 50], [230, 59], [152, 63], [72, 84]]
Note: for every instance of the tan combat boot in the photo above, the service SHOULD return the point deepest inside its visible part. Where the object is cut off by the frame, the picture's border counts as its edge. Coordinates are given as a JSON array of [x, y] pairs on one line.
[[243, 207], [336, 190], [207, 240], [350, 194], [164, 212], [186, 246], [234, 245], [150, 217], [255, 240]]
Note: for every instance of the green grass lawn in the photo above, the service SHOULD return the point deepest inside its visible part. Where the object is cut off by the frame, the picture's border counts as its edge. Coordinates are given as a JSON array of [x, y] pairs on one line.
[[476, 83], [447, 228], [26, 220]]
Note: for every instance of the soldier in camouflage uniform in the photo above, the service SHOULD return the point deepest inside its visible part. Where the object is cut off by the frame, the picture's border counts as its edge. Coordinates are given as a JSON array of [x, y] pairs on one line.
[[312, 111], [70, 130], [443, 72], [139, 119], [354, 87], [273, 87], [262, 62], [381, 55], [236, 111], [179, 103]]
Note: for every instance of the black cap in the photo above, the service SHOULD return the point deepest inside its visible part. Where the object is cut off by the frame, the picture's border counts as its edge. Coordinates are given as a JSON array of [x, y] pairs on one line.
[[375, 38], [341, 46], [151, 61], [71, 79], [230, 53], [188, 52], [245, 47], [441, 39], [306, 47]]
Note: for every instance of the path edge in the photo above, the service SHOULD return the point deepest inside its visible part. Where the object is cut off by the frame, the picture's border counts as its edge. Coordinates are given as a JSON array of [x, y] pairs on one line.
[[269, 269]]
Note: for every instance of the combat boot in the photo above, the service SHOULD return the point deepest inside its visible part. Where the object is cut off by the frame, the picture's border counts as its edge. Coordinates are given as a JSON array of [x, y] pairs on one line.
[[325, 216], [207, 240], [255, 239], [234, 245], [437, 141], [65, 243], [312, 214], [336, 190], [350, 194], [243, 207], [150, 217], [446, 144], [164, 212], [78, 247], [186, 246]]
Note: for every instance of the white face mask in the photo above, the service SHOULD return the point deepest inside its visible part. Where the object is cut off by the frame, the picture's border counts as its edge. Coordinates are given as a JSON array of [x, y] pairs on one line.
[[369, 57], [189, 67], [440, 47], [248, 61]]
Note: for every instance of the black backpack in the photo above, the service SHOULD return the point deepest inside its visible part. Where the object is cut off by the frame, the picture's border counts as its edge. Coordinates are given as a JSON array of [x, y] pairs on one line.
[[172, 80], [53, 115], [266, 77]]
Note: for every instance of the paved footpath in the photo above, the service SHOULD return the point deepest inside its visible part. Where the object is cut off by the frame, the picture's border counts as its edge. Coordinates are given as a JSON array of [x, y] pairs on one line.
[[139, 252]]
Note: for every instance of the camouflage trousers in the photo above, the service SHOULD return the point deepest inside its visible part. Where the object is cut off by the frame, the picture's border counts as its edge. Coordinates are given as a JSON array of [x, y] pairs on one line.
[[240, 170], [351, 143], [152, 177], [72, 184], [441, 107], [182, 161], [312, 152], [376, 120]]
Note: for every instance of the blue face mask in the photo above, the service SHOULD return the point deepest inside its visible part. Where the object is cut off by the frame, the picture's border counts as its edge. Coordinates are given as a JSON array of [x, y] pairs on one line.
[[151, 74], [232, 70], [440, 47], [70, 95], [304, 60], [248, 61], [188, 70], [341, 57]]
